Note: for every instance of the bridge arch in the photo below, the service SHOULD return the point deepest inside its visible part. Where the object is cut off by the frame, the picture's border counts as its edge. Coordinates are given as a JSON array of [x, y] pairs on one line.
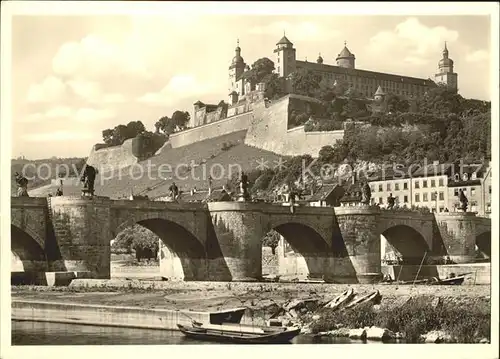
[[483, 244], [182, 255], [26, 251], [304, 250], [406, 242]]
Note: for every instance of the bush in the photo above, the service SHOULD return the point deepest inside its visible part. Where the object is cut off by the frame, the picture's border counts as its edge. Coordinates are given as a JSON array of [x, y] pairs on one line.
[[416, 317]]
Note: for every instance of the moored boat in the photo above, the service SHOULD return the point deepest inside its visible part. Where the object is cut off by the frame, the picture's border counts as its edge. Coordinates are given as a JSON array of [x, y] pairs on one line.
[[458, 280], [239, 333], [371, 297], [343, 298]]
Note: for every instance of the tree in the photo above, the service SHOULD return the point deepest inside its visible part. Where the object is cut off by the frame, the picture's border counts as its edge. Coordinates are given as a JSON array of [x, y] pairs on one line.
[[305, 82], [180, 119], [121, 133], [275, 87], [397, 104], [260, 69], [326, 154], [271, 239]]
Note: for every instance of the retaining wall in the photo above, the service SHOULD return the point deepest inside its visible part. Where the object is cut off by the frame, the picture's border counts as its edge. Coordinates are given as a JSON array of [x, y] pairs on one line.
[[88, 314], [210, 130], [112, 158]]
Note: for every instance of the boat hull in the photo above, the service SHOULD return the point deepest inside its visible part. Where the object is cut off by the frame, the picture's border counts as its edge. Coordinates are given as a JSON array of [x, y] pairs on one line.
[[222, 336]]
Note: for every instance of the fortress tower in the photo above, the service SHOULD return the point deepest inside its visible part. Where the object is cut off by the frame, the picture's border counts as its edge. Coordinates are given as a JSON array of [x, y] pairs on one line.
[[285, 57], [235, 71], [445, 73], [346, 58]]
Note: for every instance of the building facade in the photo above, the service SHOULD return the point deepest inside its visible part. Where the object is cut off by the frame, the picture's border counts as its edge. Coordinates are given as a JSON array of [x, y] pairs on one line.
[[436, 186], [344, 70]]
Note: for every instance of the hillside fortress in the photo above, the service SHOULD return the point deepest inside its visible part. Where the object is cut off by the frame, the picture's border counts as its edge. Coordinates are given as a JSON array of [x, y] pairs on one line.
[[266, 124], [365, 82]]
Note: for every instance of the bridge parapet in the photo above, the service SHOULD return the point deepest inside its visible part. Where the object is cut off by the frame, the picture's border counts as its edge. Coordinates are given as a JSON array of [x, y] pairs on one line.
[[24, 202]]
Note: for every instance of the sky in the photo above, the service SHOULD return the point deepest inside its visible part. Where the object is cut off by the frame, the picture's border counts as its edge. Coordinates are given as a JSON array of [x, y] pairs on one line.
[[74, 76]]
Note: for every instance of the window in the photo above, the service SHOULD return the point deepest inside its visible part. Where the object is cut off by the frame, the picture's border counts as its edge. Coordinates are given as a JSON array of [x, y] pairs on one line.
[[417, 184], [424, 184], [441, 209], [388, 186], [380, 189], [396, 186], [472, 191], [380, 200], [441, 196], [441, 182], [489, 189], [406, 199], [396, 199], [455, 192], [405, 185], [278, 60], [425, 199], [433, 196], [417, 197], [433, 183], [373, 188]]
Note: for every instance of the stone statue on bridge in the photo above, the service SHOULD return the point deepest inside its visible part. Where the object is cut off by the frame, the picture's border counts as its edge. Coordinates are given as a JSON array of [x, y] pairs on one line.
[[390, 201], [88, 178], [463, 201], [367, 194], [244, 195], [22, 185]]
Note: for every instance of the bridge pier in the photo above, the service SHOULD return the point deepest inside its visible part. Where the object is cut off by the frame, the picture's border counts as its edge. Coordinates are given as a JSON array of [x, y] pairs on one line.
[[359, 229], [239, 233], [458, 234], [82, 231]]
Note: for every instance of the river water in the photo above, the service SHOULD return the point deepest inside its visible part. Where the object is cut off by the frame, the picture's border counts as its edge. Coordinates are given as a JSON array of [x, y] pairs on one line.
[[44, 333]]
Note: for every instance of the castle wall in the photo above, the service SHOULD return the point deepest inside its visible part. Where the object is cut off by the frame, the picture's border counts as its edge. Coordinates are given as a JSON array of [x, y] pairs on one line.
[[269, 131], [211, 130], [112, 158]]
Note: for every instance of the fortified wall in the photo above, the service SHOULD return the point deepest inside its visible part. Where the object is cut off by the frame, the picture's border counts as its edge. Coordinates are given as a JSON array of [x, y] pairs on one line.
[[269, 131], [114, 158]]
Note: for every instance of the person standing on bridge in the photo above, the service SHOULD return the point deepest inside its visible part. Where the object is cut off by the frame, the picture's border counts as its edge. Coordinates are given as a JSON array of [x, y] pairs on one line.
[[174, 191], [59, 191]]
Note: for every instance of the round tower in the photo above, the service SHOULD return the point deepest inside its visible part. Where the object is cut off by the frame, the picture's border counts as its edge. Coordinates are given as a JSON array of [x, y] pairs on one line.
[[285, 57], [236, 69], [346, 58], [445, 75]]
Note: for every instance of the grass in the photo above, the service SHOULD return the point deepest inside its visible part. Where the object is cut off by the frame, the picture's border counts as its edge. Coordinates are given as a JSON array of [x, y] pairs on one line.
[[414, 318]]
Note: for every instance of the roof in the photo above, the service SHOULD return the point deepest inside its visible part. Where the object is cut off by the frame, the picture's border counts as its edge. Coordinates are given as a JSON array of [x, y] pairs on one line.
[[217, 195], [433, 170], [199, 103], [345, 53], [325, 191], [284, 40], [380, 76], [384, 174], [379, 91]]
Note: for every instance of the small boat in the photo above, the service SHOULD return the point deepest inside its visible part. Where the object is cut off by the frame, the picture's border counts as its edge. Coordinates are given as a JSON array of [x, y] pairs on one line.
[[458, 280], [363, 299], [341, 299], [239, 333]]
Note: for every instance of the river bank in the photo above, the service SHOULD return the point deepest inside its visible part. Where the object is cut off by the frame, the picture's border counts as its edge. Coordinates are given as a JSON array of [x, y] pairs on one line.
[[471, 304]]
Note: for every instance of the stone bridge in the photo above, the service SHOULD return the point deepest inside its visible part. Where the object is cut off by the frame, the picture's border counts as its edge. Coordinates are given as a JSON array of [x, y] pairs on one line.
[[221, 241]]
